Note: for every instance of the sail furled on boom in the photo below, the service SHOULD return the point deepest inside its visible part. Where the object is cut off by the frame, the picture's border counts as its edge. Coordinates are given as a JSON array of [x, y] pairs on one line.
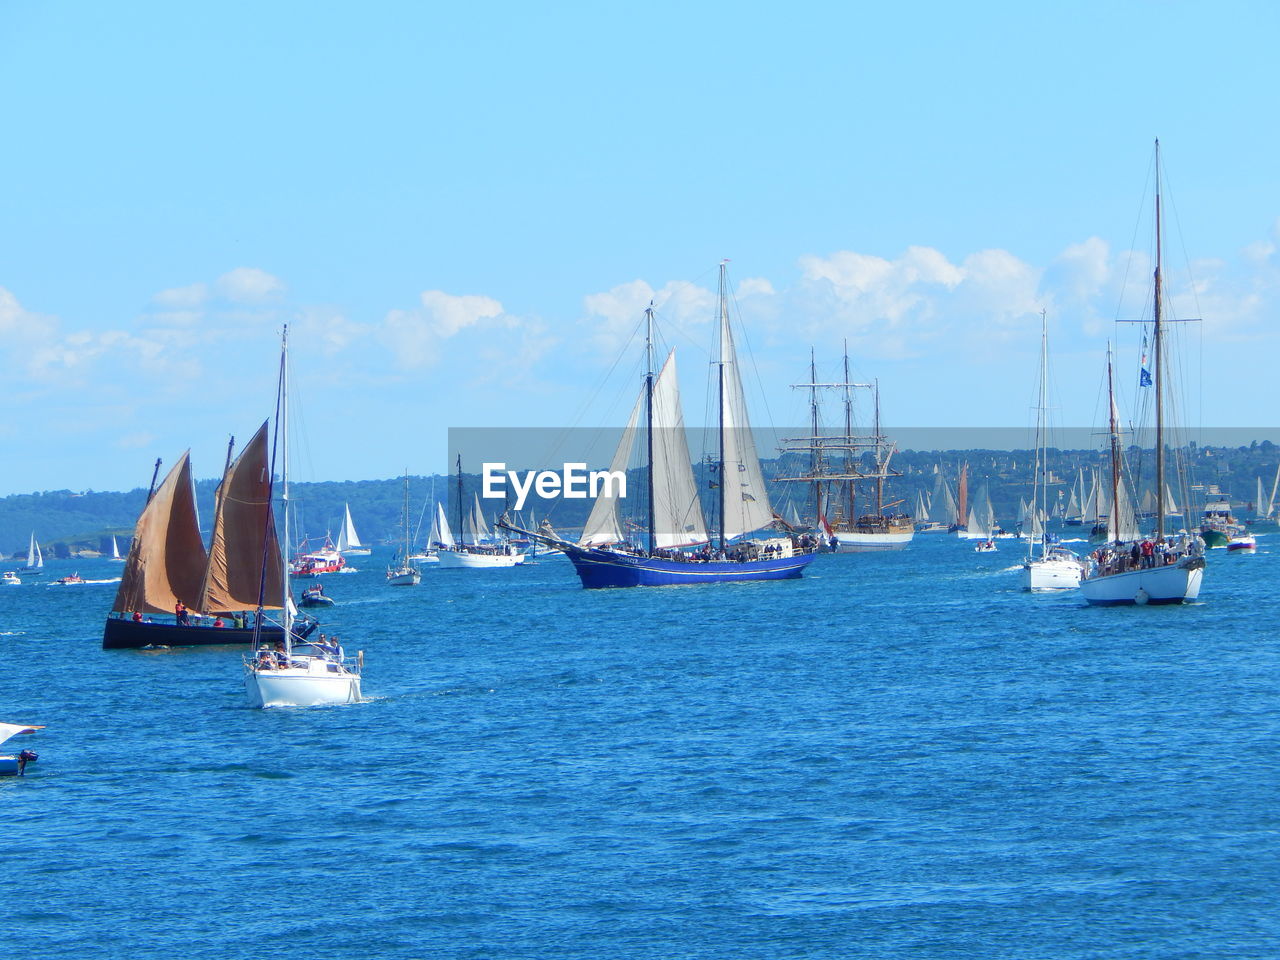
[[166, 559]]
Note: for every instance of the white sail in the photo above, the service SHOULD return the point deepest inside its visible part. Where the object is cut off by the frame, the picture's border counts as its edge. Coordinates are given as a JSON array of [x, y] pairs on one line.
[[1169, 506], [347, 538], [975, 526], [677, 512], [947, 503], [35, 559], [1122, 524], [793, 515], [477, 529], [443, 534], [922, 512], [746, 501], [602, 525], [115, 547]]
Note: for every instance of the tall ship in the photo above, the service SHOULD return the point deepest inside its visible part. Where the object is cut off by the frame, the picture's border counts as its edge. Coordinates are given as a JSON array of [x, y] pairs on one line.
[[474, 548], [837, 465], [202, 597], [1129, 569], [674, 546]]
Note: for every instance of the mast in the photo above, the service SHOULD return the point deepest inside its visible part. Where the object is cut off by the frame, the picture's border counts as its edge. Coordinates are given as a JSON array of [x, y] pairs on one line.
[[848, 437], [462, 531], [1158, 347], [151, 492], [815, 454], [648, 419], [406, 516], [724, 320], [1115, 450], [879, 451], [1041, 503], [287, 599]]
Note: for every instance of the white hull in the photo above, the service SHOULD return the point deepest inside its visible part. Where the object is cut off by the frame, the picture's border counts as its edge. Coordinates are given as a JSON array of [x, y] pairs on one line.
[[1051, 574], [855, 542], [408, 578], [356, 552], [314, 683], [462, 559], [1174, 583]]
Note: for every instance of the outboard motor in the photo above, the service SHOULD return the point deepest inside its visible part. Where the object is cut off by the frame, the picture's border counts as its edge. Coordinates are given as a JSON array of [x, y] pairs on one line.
[[25, 757]]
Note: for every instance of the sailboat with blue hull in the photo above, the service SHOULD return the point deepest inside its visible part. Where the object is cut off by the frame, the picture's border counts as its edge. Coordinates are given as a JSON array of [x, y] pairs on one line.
[[677, 548]]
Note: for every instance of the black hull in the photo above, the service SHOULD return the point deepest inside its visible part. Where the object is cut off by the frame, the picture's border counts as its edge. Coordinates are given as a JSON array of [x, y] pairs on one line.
[[130, 635]]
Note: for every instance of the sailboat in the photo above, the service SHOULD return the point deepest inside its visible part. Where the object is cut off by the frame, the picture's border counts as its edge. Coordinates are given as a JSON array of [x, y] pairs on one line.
[[168, 572], [348, 540], [292, 671], [1127, 571], [35, 559], [942, 508], [1265, 509], [834, 469], [402, 573], [476, 555], [115, 552], [1048, 566], [603, 556]]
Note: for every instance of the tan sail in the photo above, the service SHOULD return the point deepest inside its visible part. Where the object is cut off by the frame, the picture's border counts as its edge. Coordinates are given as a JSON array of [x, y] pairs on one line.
[[244, 534], [166, 561]]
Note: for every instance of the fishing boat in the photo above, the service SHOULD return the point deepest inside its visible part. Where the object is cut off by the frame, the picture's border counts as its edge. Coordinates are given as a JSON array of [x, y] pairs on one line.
[[35, 559], [12, 765], [169, 573], [1129, 570], [1048, 566], [401, 572], [676, 547], [349, 544], [312, 563], [292, 671], [835, 470], [10, 579], [1218, 526]]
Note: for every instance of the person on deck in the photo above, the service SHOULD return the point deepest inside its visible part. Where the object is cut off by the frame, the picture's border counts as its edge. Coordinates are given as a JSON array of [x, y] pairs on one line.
[[181, 615]]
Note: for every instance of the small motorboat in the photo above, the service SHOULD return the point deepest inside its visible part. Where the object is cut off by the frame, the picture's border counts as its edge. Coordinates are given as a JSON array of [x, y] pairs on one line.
[[73, 578], [10, 579], [985, 546], [16, 764], [1242, 542], [315, 597]]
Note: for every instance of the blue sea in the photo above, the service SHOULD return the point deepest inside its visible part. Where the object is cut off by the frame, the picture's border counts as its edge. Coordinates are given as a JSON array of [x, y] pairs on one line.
[[899, 755]]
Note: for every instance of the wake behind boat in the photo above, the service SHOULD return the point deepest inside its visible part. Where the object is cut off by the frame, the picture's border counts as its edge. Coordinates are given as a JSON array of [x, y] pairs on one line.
[[678, 549]]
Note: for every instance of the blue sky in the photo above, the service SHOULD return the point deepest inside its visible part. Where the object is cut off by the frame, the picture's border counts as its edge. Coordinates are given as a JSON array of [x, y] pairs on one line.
[[462, 213]]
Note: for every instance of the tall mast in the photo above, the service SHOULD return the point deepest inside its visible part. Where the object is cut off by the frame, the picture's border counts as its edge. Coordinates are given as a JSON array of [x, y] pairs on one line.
[[724, 322], [287, 600], [462, 531], [1115, 449], [648, 418], [1158, 346], [848, 436], [879, 452], [1041, 475], [815, 454], [406, 516]]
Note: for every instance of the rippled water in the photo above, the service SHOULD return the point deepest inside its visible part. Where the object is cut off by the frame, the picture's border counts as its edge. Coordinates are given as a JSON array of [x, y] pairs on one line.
[[898, 756]]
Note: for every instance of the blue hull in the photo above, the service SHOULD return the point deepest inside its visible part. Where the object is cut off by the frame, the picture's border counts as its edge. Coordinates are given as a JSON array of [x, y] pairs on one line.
[[601, 568]]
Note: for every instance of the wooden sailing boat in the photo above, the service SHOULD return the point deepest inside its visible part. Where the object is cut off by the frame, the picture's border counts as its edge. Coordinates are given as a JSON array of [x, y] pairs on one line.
[[1124, 572], [291, 670], [677, 547], [1048, 566], [167, 568]]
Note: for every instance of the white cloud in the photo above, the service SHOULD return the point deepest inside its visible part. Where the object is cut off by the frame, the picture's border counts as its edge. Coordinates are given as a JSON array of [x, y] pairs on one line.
[[192, 295], [249, 285], [415, 337]]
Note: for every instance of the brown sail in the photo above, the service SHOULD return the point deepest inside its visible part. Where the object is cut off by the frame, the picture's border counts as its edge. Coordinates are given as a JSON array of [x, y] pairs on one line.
[[244, 537], [166, 561]]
